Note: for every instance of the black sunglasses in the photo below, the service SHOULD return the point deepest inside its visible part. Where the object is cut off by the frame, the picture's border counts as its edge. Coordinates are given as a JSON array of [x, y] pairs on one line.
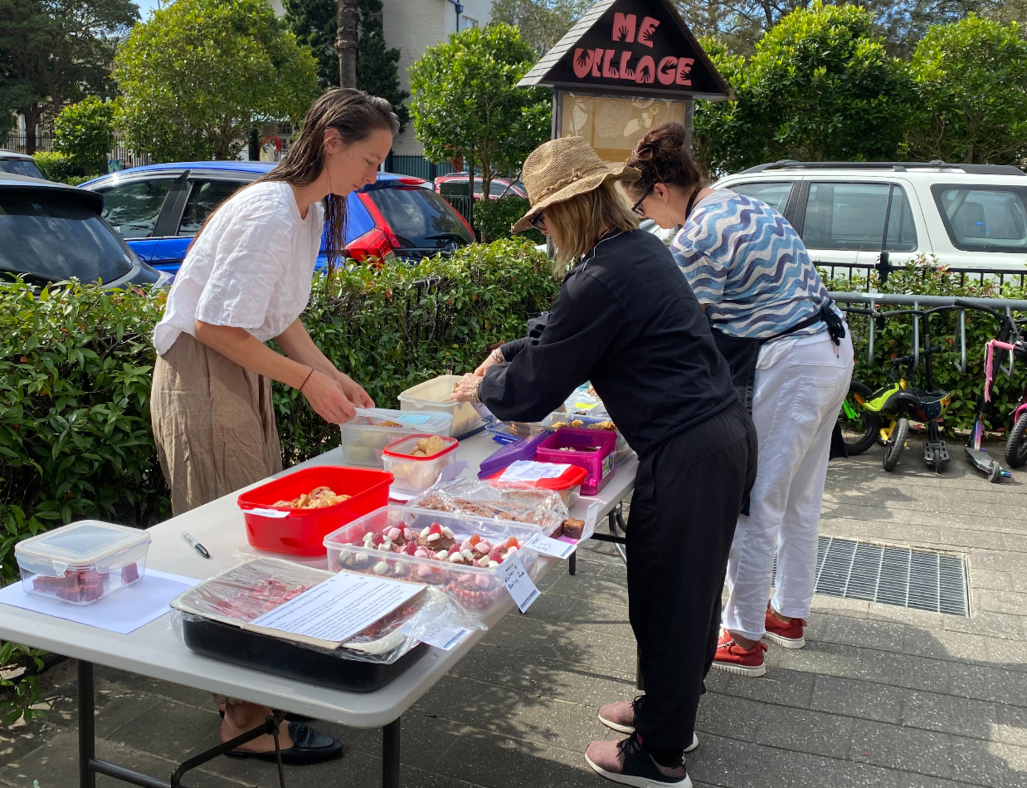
[[539, 221], [637, 207]]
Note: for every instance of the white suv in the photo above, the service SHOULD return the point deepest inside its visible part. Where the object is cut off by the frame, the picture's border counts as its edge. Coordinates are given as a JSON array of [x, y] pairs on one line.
[[965, 215]]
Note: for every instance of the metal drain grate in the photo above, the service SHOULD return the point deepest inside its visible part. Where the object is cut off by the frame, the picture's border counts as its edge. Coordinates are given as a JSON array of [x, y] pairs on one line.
[[916, 579]]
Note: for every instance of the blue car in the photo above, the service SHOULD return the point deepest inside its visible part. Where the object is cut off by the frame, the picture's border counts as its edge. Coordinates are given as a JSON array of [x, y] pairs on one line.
[[158, 209]]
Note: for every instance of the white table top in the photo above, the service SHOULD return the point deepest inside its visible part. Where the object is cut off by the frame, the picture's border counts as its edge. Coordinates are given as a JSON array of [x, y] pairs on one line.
[[154, 650]]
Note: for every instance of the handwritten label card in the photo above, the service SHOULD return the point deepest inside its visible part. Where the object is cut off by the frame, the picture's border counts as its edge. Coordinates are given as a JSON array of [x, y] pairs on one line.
[[542, 544], [340, 607], [591, 517], [442, 636], [518, 583]]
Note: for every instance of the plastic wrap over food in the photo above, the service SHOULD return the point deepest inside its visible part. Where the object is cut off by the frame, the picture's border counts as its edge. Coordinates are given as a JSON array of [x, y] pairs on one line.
[[247, 591], [543, 508]]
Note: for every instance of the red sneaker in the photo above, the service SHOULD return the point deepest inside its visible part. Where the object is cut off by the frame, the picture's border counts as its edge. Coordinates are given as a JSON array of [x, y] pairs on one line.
[[788, 635], [734, 659]]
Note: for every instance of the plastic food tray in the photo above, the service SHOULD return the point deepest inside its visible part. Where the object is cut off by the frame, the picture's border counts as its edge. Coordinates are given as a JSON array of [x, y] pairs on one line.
[[524, 449], [543, 508], [623, 449], [433, 395], [82, 562], [570, 445], [366, 435], [477, 590], [279, 529], [567, 485], [416, 474]]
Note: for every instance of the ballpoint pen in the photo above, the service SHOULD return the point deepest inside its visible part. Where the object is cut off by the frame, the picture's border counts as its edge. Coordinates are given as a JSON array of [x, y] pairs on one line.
[[196, 545]]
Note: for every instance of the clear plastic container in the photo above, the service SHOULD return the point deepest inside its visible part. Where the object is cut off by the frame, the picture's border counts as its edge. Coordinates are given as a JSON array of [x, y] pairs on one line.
[[475, 588], [82, 562], [367, 434], [433, 395], [416, 474], [567, 484]]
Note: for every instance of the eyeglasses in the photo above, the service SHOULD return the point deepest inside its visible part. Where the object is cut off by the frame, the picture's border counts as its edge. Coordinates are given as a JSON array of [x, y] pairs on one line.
[[637, 207], [539, 221]]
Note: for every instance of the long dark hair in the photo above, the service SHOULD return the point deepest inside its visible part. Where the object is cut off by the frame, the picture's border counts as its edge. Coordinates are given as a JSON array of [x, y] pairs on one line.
[[660, 156], [352, 113]]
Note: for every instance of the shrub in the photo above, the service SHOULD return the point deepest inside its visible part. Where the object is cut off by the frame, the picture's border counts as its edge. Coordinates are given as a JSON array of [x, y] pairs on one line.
[[58, 167], [85, 132], [492, 218]]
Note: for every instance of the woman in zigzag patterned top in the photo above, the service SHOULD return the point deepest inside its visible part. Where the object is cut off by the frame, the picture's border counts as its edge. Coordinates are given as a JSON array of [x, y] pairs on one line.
[[791, 361]]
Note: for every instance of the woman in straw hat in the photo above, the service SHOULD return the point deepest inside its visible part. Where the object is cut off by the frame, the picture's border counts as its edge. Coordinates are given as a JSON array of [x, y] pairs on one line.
[[627, 321]]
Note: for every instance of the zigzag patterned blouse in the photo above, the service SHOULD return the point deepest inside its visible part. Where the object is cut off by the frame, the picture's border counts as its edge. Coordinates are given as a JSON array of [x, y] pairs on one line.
[[748, 268]]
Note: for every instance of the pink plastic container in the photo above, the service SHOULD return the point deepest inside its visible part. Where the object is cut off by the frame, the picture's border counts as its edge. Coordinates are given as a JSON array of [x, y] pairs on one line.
[[593, 450]]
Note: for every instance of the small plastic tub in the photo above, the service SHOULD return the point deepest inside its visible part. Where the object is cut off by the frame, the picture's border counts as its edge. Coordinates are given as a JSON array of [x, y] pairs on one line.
[[366, 435], [82, 562], [433, 395], [602, 423], [593, 450], [520, 476], [476, 589], [416, 474], [294, 531]]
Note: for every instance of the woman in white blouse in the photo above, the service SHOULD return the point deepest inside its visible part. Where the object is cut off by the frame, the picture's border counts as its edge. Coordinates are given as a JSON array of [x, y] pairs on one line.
[[245, 281]]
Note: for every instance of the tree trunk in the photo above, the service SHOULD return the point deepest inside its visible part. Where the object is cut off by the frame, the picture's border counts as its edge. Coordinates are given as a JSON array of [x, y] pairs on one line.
[[31, 114], [346, 43]]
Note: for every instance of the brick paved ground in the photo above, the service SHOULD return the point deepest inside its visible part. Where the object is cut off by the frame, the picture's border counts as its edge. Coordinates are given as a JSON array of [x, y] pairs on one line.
[[881, 696]]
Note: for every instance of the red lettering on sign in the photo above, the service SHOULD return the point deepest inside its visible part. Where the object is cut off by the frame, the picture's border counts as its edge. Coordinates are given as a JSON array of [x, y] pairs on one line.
[[645, 72], [645, 32], [597, 60], [683, 69], [624, 27], [583, 62], [608, 71], [626, 72], [667, 70]]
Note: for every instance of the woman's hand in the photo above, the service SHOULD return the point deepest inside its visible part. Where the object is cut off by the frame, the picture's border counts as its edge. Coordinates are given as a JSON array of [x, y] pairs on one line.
[[353, 391], [495, 357], [467, 389], [327, 397]]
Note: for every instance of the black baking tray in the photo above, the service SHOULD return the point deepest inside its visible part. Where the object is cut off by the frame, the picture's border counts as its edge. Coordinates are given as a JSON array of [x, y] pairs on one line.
[[274, 655]]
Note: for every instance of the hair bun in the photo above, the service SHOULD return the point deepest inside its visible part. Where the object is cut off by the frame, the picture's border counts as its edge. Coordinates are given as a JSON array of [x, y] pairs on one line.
[[661, 157]]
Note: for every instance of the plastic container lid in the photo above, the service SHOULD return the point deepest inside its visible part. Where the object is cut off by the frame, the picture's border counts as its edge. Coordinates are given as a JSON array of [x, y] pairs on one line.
[[520, 475], [413, 421], [524, 449], [86, 543], [401, 449]]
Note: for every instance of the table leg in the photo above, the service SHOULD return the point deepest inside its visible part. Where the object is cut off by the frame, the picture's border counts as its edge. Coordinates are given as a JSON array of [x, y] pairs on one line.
[[86, 726], [390, 755], [572, 563]]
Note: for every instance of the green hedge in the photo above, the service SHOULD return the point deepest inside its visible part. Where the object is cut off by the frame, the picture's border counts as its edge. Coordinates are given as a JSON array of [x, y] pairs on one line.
[[59, 167], [493, 218]]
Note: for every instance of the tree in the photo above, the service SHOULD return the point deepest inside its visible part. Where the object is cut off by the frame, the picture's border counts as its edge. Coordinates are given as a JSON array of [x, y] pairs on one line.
[[85, 132], [200, 74], [466, 101], [346, 42], [971, 86], [314, 22], [541, 22], [820, 86], [55, 51]]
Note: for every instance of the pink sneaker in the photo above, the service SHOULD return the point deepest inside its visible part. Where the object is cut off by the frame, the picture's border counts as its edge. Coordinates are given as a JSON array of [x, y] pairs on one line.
[[734, 659], [620, 717], [790, 635], [625, 762]]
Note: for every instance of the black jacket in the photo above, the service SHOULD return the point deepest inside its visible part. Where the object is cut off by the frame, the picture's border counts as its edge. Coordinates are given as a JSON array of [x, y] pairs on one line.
[[626, 320]]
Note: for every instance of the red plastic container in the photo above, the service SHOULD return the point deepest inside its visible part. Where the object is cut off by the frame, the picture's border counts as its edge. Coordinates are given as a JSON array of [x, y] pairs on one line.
[[302, 531], [569, 445]]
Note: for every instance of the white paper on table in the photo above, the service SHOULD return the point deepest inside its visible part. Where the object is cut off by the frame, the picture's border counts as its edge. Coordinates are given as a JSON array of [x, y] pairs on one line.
[[591, 517], [529, 471], [340, 607], [541, 543], [444, 637], [517, 581], [121, 612]]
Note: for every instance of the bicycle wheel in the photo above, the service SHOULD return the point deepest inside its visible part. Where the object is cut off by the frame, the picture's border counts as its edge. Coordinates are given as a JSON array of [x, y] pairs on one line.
[[859, 426], [1016, 445], [896, 443]]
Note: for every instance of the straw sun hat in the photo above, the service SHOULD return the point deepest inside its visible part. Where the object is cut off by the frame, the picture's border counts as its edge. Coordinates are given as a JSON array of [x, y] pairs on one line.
[[560, 169]]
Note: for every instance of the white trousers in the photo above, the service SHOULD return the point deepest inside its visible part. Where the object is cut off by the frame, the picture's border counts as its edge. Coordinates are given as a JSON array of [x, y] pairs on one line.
[[796, 400]]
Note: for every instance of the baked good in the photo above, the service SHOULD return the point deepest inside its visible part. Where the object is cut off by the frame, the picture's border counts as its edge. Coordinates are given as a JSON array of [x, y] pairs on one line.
[[572, 528], [318, 498]]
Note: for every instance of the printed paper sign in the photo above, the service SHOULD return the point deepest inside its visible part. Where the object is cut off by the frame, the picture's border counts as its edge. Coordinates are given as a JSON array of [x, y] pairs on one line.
[[542, 544], [528, 471], [340, 607], [518, 583]]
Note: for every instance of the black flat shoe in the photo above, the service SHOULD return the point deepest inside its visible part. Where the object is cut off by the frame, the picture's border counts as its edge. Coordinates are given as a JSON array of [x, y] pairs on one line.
[[308, 747], [289, 717]]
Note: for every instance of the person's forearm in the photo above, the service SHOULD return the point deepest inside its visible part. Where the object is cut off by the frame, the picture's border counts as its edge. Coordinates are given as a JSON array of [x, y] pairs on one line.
[[240, 346], [297, 345]]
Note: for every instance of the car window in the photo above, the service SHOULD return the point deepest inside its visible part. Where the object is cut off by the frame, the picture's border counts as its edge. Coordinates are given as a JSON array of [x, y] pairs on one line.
[[21, 167], [420, 219], [853, 217], [58, 236], [773, 193], [497, 189], [204, 198], [453, 187], [984, 219], [132, 208]]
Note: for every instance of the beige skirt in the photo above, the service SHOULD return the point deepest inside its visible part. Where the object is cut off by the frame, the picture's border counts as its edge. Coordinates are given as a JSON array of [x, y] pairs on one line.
[[213, 422]]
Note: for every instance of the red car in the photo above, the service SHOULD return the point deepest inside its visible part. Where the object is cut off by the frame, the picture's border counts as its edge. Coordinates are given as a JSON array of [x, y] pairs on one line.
[[455, 185]]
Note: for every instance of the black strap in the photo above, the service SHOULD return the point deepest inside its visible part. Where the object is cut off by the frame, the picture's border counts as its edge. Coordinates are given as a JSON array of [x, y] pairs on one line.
[[691, 203]]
